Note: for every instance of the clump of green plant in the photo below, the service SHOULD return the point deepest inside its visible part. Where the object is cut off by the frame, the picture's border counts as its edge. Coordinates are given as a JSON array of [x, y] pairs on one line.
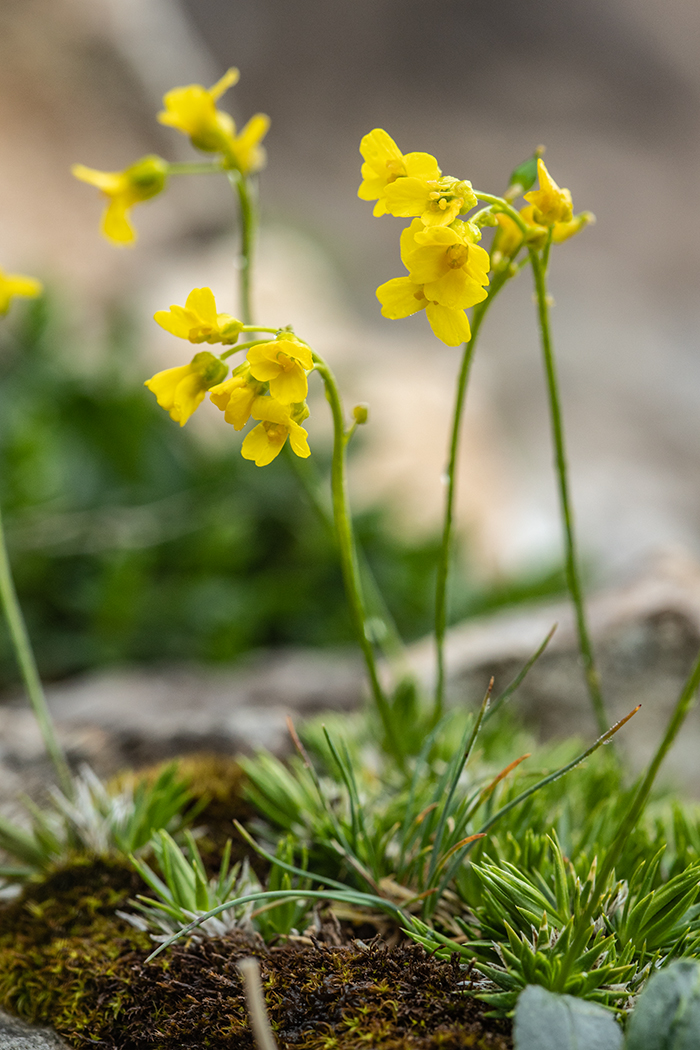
[[412, 812]]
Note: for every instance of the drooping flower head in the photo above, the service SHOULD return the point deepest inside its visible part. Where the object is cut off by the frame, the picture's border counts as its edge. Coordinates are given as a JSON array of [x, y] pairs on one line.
[[277, 423], [552, 203], [283, 363], [12, 284], [447, 274], [236, 396], [199, 321], [181, 390], [192, 110], [143, 180], [384, 163]]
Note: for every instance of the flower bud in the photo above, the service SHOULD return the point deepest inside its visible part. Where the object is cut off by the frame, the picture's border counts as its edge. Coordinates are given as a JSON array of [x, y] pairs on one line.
[[360, 413]]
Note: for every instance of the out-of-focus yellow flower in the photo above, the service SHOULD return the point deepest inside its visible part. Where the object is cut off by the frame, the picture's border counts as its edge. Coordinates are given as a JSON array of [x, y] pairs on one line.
[[552, 204], [192, 110], [563, 230], [198, 320], [277, 423], [508, 237], [12, 284], [384, 163], [402, 296], [236, 396], [181, 390], [438, 202], [143, 180], [448, 263], [283, 363]]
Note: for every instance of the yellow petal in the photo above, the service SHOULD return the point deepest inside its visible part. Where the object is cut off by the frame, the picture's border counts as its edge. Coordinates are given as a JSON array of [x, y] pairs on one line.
[[263, 446], [377, 148], [115, 222], [400, 297], [201, 302], [239, 407], [164, 384], [300, 352], [270, 411], [230, 77], [246, 146], [426, 264], [407, 196], [422, 165], [450, 326], [109, 182], [189, 395], [289, 385], [298, 440], [176, 320]]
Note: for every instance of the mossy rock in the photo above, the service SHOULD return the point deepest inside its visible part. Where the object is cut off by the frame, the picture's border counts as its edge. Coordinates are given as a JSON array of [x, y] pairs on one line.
[[67, 959]]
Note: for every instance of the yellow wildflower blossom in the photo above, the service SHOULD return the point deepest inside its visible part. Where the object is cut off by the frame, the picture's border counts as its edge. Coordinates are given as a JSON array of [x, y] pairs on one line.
[[283, 363], [563, 230], [236, 396], [181, 390], [192, 110], [448, 263], [198, 320], [552, 204], [509, 238], [277, 423], [143, 180], [384, 163], [402, 296], [438, 202], [12, 284]]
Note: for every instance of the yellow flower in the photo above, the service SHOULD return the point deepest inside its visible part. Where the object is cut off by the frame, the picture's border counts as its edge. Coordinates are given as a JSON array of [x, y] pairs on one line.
[[198, 320], [563, 230], [384, 163], [507, 239], [438, 202], [552, 204], [448, 263], [181, 390], [278, 422], [143, 180], [192, 110], [283, 363], [12, 284], [236, 396], [401, 297]]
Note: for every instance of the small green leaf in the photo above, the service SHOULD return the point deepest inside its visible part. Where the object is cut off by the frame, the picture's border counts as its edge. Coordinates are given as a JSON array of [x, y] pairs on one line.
[[667, 1016], [547, 1021]]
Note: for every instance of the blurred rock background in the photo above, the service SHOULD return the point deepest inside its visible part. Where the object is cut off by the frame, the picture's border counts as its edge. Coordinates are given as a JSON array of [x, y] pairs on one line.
[[611, 89]]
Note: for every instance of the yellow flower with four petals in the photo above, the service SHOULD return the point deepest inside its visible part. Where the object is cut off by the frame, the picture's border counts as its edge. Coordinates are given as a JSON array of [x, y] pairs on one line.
[[283, 363], [384, 163], [180, 391], [552, 203], [139, 182], [236, 395], [277, 423], [199, 321]]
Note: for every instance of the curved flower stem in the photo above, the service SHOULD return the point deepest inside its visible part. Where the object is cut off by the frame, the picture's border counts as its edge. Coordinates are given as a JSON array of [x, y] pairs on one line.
[[450, 474], [27, 665], [539, 270], [499, 204], [347, 549], [248, 215]]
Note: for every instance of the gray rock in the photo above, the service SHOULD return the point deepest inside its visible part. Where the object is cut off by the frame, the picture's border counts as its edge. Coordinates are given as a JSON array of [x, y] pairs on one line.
[[16, 1035]]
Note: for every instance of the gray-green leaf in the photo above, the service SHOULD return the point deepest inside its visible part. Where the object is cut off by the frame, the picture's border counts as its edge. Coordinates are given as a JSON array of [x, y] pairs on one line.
[[667, 1016], [547, 1021]]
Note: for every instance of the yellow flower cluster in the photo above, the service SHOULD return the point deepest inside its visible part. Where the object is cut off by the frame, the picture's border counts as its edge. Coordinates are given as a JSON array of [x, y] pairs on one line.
[[447, 269], [270, 386], [191, 110]]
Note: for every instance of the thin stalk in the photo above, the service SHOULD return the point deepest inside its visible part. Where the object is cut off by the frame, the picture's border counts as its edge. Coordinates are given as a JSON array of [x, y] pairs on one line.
[[346, 547], [27, 665], [443, 568], [684, 703], [194, 168], [249, 970], [248, 216], [539, 271]]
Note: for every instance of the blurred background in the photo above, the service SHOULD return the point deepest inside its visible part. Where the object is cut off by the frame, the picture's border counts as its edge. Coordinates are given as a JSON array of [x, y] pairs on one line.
[[136, 541]]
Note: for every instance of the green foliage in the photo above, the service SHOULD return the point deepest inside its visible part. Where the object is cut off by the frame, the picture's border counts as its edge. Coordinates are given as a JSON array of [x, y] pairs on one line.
[[545, 1021], [95, 820]]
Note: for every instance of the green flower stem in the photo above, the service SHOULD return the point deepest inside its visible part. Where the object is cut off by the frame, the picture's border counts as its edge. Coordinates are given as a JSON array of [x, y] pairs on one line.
[[201, 168], [248, 215], [539, 271], [684, 703], [27, 665], [445, 548], [347, 549], [499, 204]]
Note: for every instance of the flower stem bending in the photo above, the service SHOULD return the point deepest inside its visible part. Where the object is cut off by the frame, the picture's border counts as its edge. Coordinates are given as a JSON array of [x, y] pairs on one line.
[[450, 492], [539, 270], [248, 216], [346, 546], [27, 665]]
